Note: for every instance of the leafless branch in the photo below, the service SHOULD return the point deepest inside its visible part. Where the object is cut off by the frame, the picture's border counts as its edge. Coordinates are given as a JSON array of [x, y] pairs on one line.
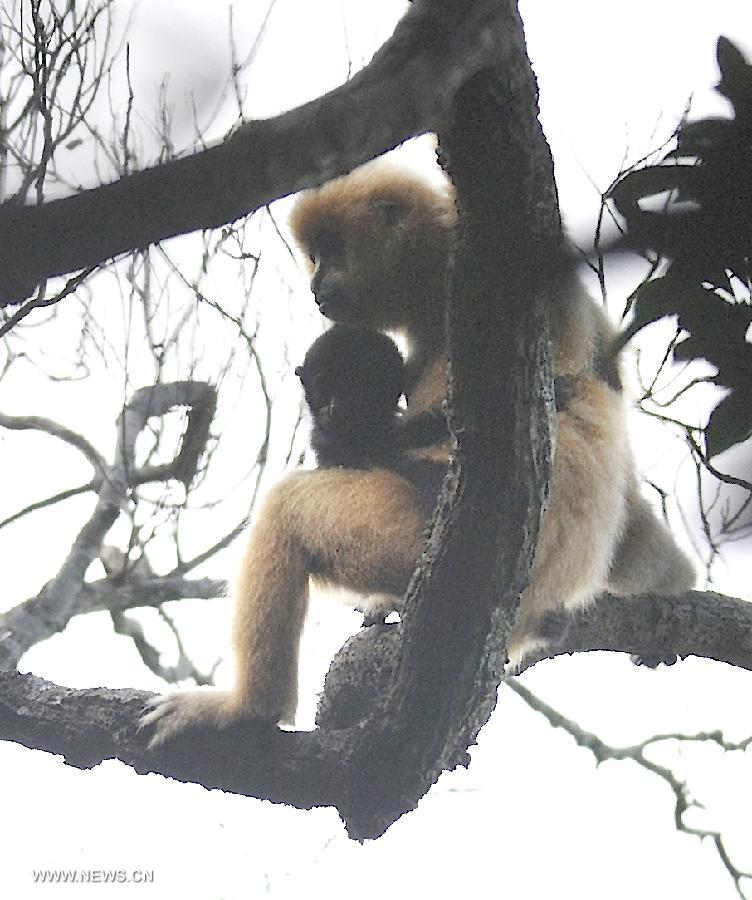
[[49, 501], [310, 768], [679, 787], [55, 429], [151, 656], [62, 597], [411, 81]]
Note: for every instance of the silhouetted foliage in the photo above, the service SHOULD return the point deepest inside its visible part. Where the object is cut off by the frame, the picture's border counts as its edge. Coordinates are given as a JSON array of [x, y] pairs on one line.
[[704, 230]]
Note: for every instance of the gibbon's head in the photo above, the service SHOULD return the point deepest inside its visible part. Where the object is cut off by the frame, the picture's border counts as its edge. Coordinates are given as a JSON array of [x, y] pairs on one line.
[[352, 372], [378, 242]]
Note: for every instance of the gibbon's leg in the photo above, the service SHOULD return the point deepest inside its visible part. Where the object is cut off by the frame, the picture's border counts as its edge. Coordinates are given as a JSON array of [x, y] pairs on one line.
[[361, 529], [585, 516], [647, 560]]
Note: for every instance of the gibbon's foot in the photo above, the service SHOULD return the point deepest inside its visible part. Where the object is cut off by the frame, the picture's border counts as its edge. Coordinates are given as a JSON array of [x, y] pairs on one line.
[[171, 714], [653, 660]]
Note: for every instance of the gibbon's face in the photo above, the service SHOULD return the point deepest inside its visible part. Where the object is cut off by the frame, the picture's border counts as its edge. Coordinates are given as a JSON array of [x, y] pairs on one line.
[[330, 278], [360, 268], [377, 245]]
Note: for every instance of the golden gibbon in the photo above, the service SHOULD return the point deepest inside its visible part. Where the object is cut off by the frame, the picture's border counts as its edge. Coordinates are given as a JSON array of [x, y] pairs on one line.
[[378, 243]]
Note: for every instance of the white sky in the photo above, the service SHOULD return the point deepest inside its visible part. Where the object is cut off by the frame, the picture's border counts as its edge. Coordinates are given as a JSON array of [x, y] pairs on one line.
[[532, 818]]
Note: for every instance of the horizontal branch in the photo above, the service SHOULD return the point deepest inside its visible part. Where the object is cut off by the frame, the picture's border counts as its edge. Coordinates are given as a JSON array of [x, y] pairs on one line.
[[55, 429], [86, 727], [410, 81], [116, 595], [698, 623], [654, 629], [306, 769]]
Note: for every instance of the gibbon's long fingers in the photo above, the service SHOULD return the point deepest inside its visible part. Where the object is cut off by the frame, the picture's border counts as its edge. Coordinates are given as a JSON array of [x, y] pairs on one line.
[[361, 529]]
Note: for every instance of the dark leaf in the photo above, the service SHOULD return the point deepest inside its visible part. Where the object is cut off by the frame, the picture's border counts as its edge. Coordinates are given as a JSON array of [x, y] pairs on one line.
[[654, 300], [696, 138], [736, 79], [730, 422], [650, 182]]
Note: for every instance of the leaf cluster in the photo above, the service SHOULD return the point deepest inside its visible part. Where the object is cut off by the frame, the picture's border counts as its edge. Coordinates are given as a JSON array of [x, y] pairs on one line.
[[703, 229]]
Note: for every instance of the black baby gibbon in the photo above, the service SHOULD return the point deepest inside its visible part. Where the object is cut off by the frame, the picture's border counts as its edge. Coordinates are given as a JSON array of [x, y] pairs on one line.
[[353, 379], [379, 242]]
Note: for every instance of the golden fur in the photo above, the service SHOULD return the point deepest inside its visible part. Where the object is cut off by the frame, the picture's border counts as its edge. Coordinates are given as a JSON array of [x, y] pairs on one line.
[[390, 236]]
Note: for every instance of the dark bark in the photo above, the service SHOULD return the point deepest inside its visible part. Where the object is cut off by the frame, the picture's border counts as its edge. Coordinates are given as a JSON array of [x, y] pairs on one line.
[[461, 603], [706, 625]]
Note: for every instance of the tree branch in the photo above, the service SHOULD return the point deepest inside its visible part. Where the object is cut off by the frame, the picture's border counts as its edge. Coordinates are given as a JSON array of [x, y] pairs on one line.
[[411, 81], [55, 429], [697, 623], [151, 655], [459, 607], [682, 797], [306, 769], [66, 595], [703, 624]]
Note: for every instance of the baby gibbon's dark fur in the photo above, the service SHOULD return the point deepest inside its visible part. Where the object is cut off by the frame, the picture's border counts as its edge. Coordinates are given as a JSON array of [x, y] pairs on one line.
[[379, 241], [352, 380]]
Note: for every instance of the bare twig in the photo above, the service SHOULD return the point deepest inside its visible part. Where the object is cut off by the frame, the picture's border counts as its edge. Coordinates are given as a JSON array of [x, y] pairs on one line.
[[61, 598], [636, 753]]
